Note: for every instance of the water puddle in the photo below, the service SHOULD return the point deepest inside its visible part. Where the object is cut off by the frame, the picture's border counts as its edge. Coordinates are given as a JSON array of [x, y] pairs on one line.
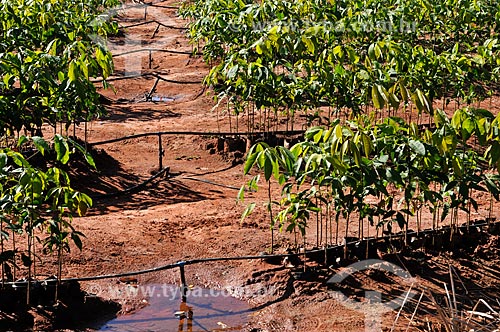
[[205, 310]]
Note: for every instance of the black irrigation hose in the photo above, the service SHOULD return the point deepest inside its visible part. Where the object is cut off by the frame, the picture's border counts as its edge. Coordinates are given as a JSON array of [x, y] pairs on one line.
[[201, 133], [150, 4], [168, 267], [174, 81], [118, 78], [156, 50], [163, 6], [132, 189], [145, 75], [152, 21], [125, 274], [179, 264], [155, 4]]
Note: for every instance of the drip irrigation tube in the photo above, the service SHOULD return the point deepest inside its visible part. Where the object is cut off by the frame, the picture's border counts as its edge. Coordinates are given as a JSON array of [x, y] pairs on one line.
[[149, 4], [152, 21], [111, 79], [125, 274], [174, 81], [202, 133], [120, 78], [156, 50], [164, 6], [170, 266], [155, 4]]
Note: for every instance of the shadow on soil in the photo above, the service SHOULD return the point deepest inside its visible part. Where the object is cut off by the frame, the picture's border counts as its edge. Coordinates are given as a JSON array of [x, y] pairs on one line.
[[113, 179], [145, 112], [162, 191]]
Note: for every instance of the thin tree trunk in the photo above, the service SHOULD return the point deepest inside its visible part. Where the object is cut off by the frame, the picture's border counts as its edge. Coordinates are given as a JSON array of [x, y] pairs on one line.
[[270, 207], [345, 238]]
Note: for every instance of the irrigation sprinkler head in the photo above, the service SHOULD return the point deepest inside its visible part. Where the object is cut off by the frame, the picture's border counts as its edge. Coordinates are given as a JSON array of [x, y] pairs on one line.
[[373, 308]]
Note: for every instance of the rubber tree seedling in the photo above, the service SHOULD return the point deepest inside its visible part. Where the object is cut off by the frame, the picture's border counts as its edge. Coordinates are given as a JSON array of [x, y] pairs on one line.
[[34, 199], [278, 163], [358, 160], [46, 66], [282, 55]]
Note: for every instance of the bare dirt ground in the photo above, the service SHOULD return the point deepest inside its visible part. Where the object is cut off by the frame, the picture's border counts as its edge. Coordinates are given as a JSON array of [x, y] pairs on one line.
[[179, 217]]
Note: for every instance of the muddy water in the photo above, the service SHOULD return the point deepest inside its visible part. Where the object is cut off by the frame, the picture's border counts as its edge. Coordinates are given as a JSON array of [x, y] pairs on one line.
[[205, 310]]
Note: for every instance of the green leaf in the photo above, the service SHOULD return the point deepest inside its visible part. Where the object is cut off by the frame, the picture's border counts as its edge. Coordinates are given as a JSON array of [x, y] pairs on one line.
[[422, 102], [494, 152], [296, 150], [418, 147], [405, 95], [52, 47], [273, 33], [355, 154], [241, 194], [457, 166], [367, 144], [400, 220], [468, 127], [309, 44], [84, 69], [251, 159], [374, 51], [248, 211], [393, 100], [338, 131], [492, 187], [268, 167], [317, 136], [7, 80], [261, 46], [61, 76], [82, 208], [3, 160], [89, 159], [377, 98], [62, 149], [76, 240], [276, 169], [19, 160], [86, 154], [73, 71], [40, 144], [287, 157], [23, 139], [231, 73], [393, 176]]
